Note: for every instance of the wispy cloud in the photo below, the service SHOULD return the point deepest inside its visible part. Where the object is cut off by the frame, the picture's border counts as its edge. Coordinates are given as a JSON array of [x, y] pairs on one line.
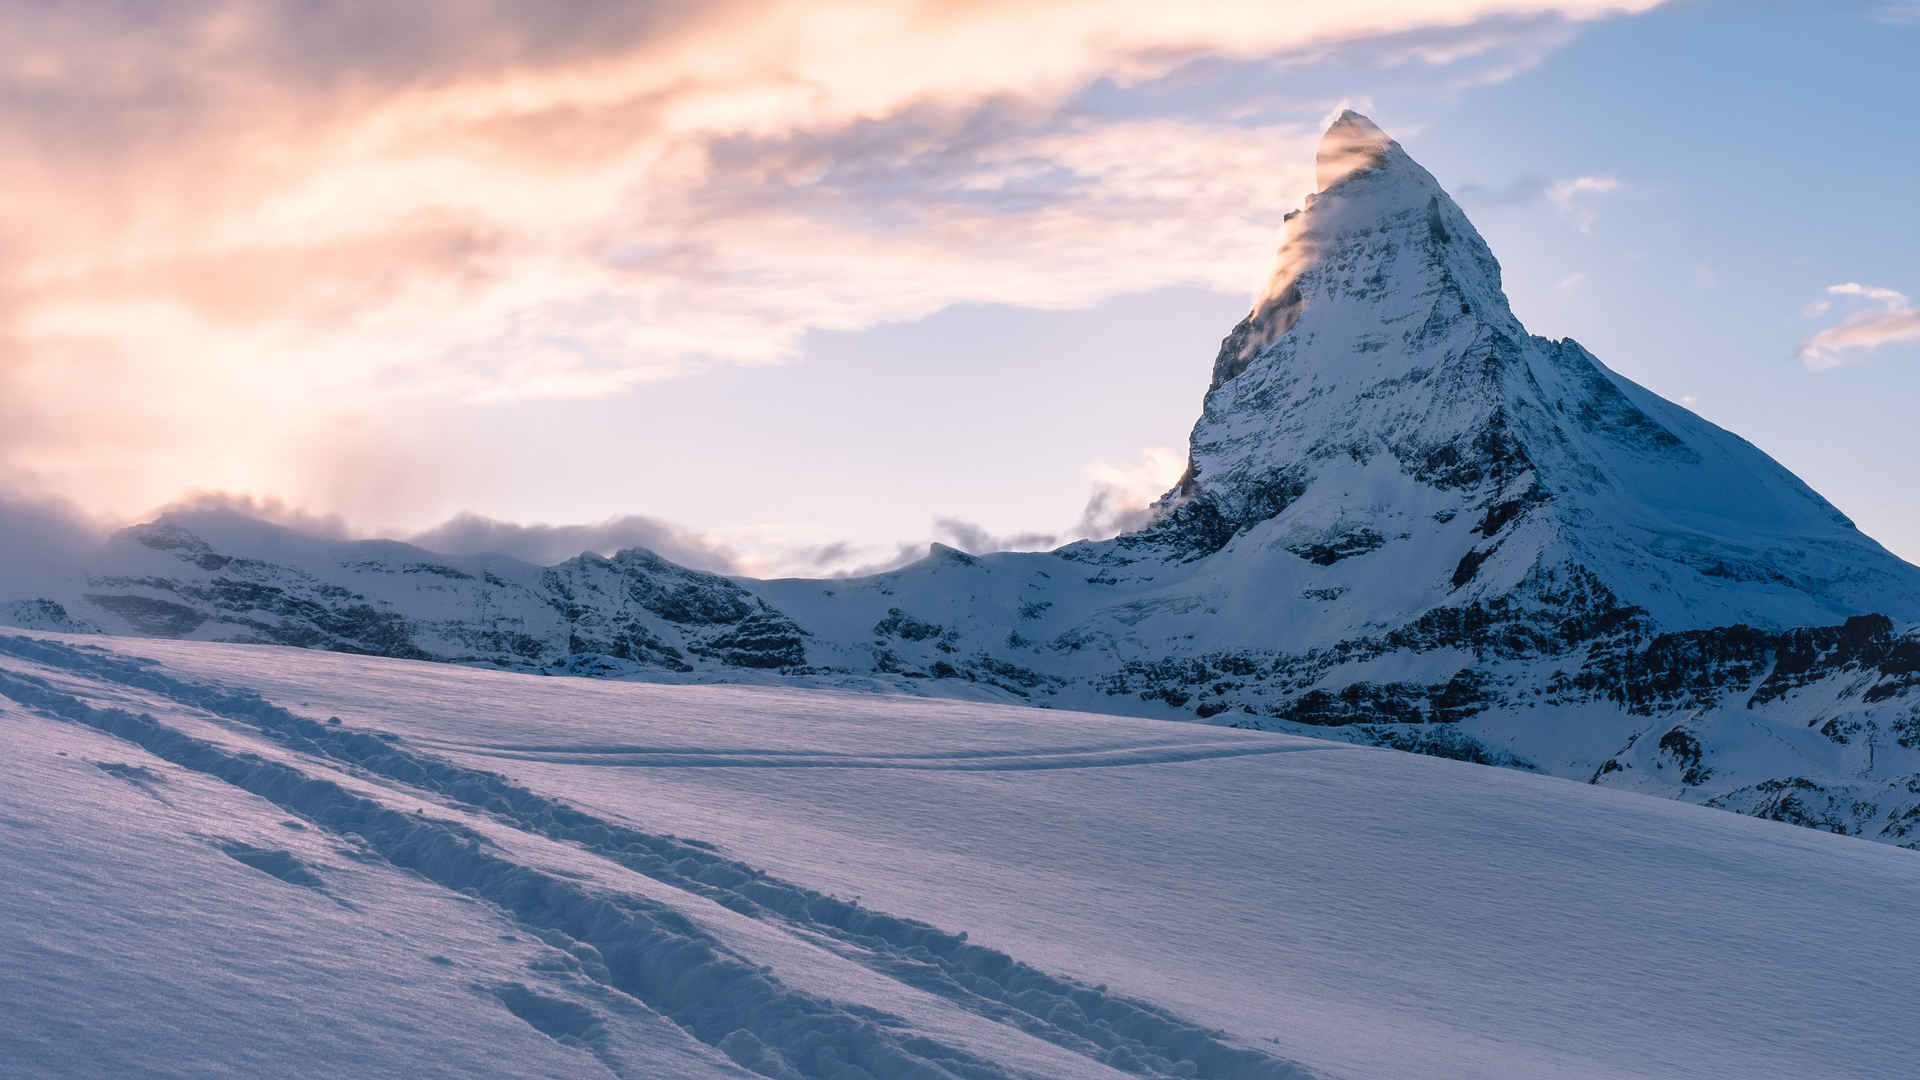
[[1121, 499], [544, 545], [1883, 296], [234, 230], [1123, 494], [254, 508], [1573, 197], [1890, 319], [973, 538], [43, 539]]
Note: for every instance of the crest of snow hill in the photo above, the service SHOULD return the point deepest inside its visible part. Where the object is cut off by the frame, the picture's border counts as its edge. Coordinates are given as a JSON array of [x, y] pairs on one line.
[[1405, 521]]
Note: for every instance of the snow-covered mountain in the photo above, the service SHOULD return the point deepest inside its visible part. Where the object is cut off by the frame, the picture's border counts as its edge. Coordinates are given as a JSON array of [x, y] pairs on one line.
[[1405, 521]]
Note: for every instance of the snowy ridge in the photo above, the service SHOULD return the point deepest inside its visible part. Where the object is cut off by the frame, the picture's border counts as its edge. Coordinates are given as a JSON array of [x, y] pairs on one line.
[[1406, 521]]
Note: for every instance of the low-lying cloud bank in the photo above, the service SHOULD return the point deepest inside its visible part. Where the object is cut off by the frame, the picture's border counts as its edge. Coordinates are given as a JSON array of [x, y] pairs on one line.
[[544, 545], [45, 538], [1120, 500]]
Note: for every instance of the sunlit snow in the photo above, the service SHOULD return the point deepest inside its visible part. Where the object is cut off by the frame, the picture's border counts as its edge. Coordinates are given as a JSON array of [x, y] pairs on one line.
[[253, 861]]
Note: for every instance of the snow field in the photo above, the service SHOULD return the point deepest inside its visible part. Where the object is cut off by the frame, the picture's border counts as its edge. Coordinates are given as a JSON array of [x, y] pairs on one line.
[[1038, 893]]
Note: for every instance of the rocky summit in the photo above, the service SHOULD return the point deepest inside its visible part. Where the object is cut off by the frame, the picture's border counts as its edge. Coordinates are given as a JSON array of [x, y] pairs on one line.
[[1405, 522]]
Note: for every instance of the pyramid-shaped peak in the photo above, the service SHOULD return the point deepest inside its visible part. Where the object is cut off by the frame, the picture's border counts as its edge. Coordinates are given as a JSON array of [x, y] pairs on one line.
[[1351, 119], [1352, 144]]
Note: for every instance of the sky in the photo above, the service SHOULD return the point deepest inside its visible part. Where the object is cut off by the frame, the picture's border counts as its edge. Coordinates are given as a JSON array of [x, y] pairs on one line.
[[794, 288]]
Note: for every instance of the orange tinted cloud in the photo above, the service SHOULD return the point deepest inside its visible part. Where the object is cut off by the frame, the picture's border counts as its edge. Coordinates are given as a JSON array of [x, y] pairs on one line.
[[1894, 320], [233, 230]]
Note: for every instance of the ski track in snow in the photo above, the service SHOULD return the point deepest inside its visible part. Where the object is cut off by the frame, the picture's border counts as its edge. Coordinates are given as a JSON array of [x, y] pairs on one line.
[[642, 947], [1081, 757]]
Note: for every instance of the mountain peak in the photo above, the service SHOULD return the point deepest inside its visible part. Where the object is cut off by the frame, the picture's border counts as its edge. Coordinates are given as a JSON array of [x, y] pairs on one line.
[[1381, 398], [1350, 124], [1352, 143], [1380, 230]]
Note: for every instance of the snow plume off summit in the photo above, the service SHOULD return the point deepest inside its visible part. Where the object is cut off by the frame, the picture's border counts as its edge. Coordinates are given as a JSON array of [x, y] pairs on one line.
[[1405, 521]]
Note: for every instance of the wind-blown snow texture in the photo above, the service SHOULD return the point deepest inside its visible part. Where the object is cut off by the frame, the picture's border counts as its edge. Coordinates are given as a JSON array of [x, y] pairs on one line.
[[227, 860], [1405, 522]]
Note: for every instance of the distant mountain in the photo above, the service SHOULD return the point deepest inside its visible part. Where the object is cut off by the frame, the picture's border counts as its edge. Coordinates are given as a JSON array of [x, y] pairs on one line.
[[1405, 522]]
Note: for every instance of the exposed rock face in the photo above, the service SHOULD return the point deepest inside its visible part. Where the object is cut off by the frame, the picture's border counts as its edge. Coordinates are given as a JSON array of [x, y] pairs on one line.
[[1405, 521]]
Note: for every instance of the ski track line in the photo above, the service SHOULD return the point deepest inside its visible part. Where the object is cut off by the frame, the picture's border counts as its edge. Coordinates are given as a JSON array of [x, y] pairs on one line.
[[762, 751], [772, 1023], [1033, 761]]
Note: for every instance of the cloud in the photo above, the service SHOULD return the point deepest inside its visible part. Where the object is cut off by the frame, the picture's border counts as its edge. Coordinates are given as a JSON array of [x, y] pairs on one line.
[[544, 545], [1123, 495], [976, 540], [1121, 500], [1886, 297], [258, 508], [41, 540], [1892, 320], [1896, 14], [233, 229], [901, 555], [1562, 192], [1572, 197], [42, 529], [38, 534], [1517, 192]]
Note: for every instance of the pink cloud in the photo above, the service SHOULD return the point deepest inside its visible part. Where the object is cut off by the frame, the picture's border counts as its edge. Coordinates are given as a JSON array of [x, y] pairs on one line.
[[1894, 320], [236, 230]]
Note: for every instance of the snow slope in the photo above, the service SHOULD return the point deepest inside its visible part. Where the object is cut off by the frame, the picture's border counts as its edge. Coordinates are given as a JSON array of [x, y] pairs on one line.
[[489, 873]]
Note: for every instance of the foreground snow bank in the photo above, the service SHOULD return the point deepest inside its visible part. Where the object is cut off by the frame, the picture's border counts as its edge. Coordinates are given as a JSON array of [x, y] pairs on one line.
[[252, 861]]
